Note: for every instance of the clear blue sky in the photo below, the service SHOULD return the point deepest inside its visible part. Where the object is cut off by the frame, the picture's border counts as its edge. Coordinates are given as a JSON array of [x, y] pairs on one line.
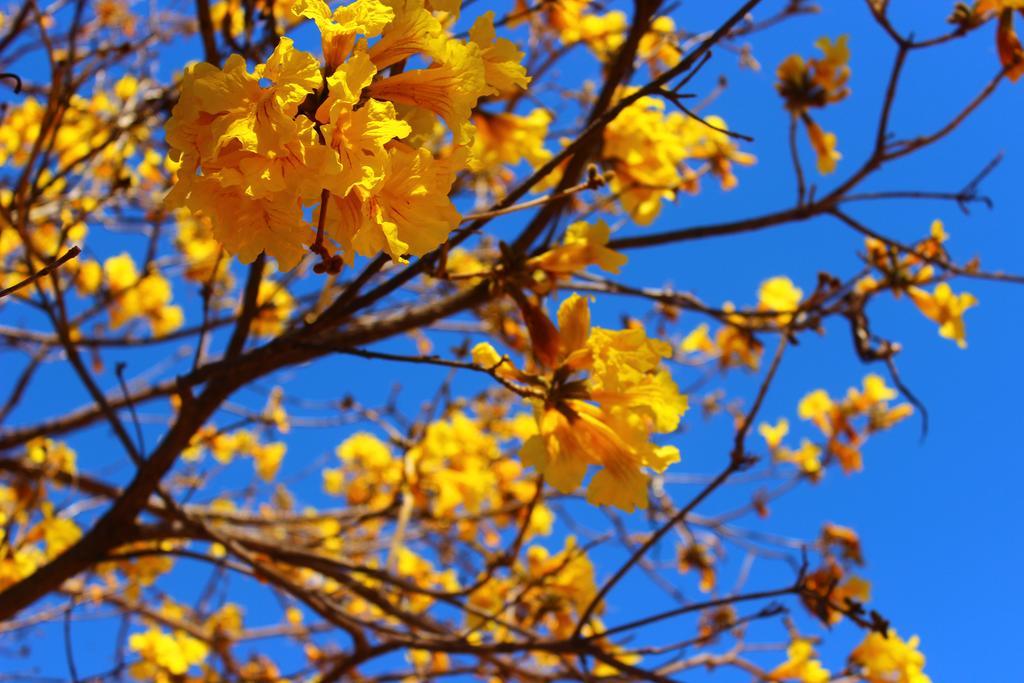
[[938, 518]]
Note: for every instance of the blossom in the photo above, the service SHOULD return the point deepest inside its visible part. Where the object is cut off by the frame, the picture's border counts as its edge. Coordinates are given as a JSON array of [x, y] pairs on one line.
[[817, 82], [774, 434], [504, 140], [606, 417], [134, 296], [407, 213], [165, 653], [253, 152], [450, 88], [1011, 54], [829, 589], [338, 30], [779, 294], [414, 30], [585, 244], [564, 586], [946, 308], [824, 145], [889, 659], [646, 149], [698, 557], [274, 307], [800, 665], [503, 70]]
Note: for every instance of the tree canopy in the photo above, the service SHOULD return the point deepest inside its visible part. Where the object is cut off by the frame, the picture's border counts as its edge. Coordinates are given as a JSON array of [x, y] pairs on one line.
[[361, 341]]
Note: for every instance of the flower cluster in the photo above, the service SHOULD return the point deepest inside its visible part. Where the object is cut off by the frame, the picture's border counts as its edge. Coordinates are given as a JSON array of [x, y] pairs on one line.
[[817, 83], [887, 658], [646, 149], [598, 396], [1011, 53], [908, 272], [257, 149]]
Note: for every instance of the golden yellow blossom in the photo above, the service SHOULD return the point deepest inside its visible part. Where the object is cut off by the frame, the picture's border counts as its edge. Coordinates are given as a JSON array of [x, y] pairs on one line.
[[1011, 54], [503, 70], [135, 296], [779, 294], [774, 434], [338, 30], [800, 665], [450, 88], [165, 656], [817, 82], [414, 31], [505, 140], [646, 148], [945, 308], [274, 308], [605, 418], [257, 158], [889, 659], [407, 213], [585, 244]]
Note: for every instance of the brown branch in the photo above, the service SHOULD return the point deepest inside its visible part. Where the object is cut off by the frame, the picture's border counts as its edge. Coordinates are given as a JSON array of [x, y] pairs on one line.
[[44, 271]]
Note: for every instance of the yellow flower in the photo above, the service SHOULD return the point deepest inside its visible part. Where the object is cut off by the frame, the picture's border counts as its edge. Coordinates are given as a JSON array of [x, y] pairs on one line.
[[697, 557], [732, 346], [816, 82], [338, 30], [846, 539], [148, 296], [773, 435], [824, 145], [659, 47], [407, 213], [485, 356], [503, 70], [584, 245], [563, 18], [699, 341], [606, 418], [414, 31], [604, 33], [162, 652], [817, 407], [720, 151], [828, 582], [50, 453], [801, 665], [807, 458], [450, 88], [204, 258], [267, 459], [1011, 54], [368, 474], [258, 159], [889, 659], [646, 148], [505, 140], [779, 294], [359, 137], [275, 307], [945, 308], [88, 277], [218, 107]]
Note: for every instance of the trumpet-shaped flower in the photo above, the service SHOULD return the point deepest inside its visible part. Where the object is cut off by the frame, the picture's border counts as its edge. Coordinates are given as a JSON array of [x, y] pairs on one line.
[[606, 394]]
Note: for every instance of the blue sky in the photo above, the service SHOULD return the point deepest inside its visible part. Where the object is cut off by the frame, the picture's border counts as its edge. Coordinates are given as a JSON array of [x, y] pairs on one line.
[[937, 518]]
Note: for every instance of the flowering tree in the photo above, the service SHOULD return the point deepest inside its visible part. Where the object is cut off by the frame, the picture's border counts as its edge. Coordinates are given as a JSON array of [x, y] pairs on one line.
[[376, 180]]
